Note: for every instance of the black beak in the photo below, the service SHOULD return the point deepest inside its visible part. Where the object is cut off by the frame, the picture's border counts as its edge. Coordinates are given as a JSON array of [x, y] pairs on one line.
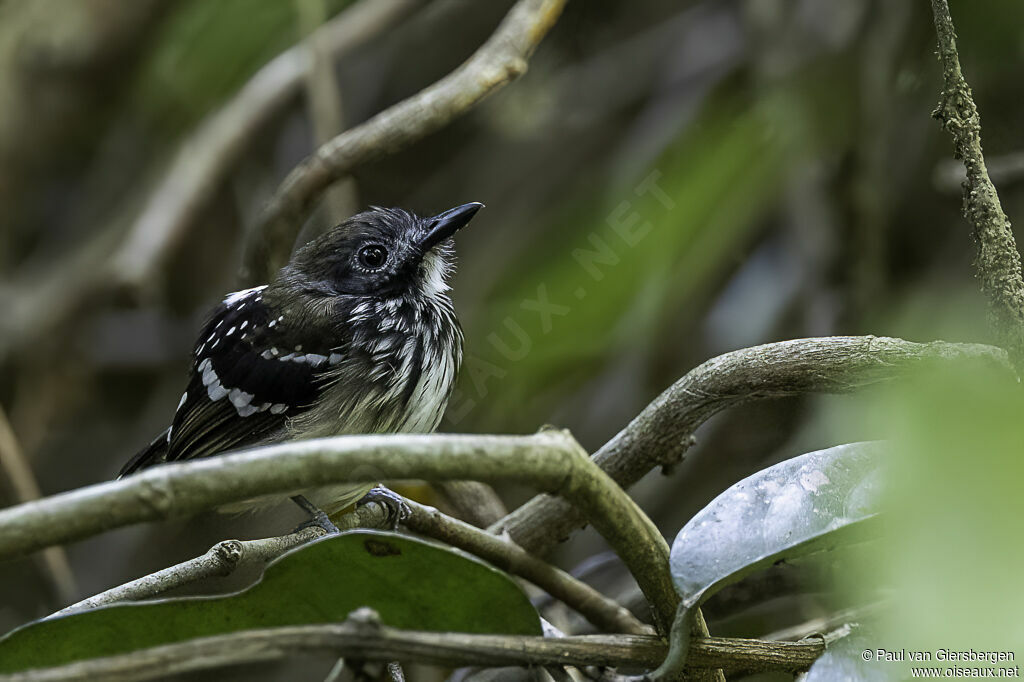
[[444, 225]]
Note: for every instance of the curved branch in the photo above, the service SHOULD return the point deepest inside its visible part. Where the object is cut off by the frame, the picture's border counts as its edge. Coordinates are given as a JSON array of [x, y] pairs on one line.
[[551, 460], [500, 60], [998, 260], [661, 434], [196, 172], [204, 158], [375, 642], [602, 612]]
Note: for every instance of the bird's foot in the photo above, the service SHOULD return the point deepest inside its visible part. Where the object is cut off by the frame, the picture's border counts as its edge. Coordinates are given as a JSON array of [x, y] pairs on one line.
[[317, 516], [392, 502]]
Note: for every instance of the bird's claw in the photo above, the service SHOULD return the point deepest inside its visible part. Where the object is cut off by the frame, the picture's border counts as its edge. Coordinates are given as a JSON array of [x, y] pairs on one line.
[[317, 517], [393, 503]]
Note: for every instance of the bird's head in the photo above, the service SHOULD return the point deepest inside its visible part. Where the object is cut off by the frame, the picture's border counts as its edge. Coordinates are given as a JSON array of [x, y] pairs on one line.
[[382, 252]]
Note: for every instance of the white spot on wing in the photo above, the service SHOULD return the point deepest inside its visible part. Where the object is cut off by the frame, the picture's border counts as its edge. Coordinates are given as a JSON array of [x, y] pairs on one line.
[[237, 296]]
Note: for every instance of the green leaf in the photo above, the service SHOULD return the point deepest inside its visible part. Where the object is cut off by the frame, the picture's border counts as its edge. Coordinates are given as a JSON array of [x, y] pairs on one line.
[[807, 504], [411, 583]]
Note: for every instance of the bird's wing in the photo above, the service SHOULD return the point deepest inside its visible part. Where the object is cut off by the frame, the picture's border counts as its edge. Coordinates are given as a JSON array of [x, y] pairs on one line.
[[242, 387]]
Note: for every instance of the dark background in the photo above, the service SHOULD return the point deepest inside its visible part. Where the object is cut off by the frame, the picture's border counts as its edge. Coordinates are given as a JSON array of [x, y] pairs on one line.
[[806, 192]]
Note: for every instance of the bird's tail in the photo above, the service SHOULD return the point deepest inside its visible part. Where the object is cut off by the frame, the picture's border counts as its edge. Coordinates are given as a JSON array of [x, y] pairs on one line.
[[154, 453]]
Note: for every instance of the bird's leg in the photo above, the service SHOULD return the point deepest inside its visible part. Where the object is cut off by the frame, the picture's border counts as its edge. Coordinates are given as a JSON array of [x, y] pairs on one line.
[[392, 502], [317, 516]]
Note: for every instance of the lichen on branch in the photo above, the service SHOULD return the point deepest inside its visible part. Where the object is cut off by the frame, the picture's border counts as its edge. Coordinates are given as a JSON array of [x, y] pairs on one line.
[[998, 260]]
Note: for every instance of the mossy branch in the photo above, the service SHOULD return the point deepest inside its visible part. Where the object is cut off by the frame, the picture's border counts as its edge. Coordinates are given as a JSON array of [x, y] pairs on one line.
[[998, 261]]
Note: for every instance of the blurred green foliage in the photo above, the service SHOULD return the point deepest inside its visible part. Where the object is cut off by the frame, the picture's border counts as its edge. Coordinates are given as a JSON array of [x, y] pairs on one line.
[[950, 561], [618, 261], [205, 52]]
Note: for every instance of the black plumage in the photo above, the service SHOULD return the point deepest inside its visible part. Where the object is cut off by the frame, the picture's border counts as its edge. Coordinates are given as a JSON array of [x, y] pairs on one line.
[[357, 334]]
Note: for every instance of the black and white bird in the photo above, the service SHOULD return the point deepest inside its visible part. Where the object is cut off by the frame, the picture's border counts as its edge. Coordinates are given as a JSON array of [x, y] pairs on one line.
[[357, 334]]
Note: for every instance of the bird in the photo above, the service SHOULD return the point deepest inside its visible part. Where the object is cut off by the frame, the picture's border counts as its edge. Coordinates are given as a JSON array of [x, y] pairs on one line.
[[356, 334]]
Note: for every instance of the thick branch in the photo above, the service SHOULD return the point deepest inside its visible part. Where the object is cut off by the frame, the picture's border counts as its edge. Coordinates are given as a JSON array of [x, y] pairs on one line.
[[380, 643], [661, 434], [550, 460], [998, 260], [497, 62]]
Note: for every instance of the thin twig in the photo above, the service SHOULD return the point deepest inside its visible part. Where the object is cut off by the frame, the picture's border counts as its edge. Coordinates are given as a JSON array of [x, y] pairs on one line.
[[998, 261], [661, 434], [381, 643], [472, 501], [818, 626], [497, 62], [224, 558], [18, 471], [228, 556], [324, 103], [601, 611], [203, 160], [550, 460]]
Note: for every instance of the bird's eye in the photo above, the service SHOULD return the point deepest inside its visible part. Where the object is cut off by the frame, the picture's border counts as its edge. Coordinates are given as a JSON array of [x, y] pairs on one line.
[[373, 256]]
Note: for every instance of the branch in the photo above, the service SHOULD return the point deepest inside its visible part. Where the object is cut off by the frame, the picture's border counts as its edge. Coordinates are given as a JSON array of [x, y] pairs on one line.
[[16, 469], [370, 641], [834, 621], [661, 434], [197, 170], [228, 556], [602, 612], [324, 102], [998, 260], [550, 460], [472, 501], [204, 159], [223, 559], [496, 63]]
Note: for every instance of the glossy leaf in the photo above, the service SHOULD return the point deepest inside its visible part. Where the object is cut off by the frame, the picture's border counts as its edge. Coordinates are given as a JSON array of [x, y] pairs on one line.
[[803, 505], [799, 506], [409, 582]]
